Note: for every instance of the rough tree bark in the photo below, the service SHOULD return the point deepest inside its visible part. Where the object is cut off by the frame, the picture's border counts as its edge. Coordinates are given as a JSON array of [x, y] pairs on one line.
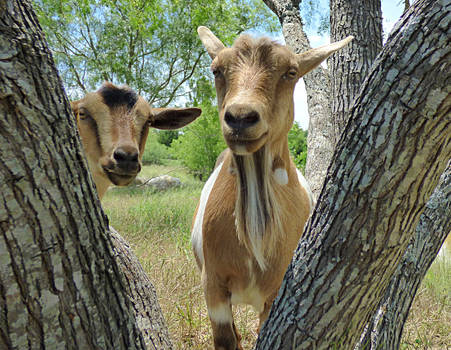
[[364, 21], [406, 5], [387, 164], [386, 326], [143, 296], [60, 281], [320, 139], [350, 66]]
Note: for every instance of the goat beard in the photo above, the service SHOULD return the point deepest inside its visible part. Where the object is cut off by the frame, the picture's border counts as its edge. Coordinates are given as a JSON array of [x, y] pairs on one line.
[[257, 215]]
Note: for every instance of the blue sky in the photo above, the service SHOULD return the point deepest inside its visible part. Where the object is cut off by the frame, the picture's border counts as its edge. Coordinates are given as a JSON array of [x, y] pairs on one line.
[[391, 12]]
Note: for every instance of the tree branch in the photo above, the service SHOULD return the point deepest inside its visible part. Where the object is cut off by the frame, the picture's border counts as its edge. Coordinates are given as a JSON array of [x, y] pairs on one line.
[[185, 78], [385, 329]]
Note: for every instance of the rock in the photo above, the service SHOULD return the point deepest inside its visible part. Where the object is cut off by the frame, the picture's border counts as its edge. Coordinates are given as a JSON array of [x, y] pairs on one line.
[[138, 181], [163, 182]]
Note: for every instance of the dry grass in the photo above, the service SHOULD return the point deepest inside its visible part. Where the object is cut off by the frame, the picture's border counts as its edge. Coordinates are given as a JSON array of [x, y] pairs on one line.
[[429, 323], [157, 225]]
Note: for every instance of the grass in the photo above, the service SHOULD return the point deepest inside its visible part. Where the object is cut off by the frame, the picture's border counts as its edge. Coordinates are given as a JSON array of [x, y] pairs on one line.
[[429, 323], [157, 225]]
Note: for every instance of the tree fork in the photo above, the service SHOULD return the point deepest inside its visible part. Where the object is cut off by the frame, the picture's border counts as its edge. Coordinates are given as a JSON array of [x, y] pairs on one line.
[[389, 161]]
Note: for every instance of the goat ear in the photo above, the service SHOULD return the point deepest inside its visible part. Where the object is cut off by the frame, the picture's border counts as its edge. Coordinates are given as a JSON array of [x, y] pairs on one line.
[[210, 41], [312, 58], [173, 118]]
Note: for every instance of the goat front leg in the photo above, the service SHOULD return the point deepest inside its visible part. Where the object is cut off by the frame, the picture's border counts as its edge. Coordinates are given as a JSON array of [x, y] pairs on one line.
[[225, 335]]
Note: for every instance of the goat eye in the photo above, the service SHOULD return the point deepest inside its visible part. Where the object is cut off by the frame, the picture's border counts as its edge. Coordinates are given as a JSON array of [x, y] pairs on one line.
[[83, 115], [216, 72], [291, 74]]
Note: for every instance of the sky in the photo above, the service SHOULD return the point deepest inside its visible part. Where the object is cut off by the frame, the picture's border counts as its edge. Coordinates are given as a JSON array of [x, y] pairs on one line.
[[391, 12]]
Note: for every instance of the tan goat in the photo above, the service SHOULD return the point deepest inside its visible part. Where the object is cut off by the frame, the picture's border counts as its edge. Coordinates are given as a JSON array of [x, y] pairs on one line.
[[254, 206], [114, 123]]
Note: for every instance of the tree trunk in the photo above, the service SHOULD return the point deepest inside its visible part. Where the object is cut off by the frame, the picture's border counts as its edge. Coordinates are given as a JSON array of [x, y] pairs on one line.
[[143, 296], [385, 329], [406, 5], [350, 66], [60, 284], [387, 164], [386, 325], [320, 138]]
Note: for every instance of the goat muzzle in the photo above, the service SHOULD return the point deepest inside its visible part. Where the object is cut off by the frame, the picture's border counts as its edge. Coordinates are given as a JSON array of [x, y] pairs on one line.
[[123, 166], [127, 159], [239, 117]]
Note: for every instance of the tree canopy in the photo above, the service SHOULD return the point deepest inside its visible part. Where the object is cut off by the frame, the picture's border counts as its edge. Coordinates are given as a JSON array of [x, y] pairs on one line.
[[152, 46]]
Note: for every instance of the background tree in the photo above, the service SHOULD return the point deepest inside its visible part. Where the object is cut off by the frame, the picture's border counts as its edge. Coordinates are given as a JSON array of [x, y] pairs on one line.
[[166, 137], [348, 257], [350, 66], [150, 45], [320, 141]]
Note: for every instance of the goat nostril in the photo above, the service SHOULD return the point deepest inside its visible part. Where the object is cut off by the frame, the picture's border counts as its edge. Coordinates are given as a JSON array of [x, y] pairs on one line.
[[241, 121], [251, 118], [121, 155], [134, 157], [230, 119]]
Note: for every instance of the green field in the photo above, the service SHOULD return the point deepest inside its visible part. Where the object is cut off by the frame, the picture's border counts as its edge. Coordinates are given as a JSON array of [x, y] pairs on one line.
[[157, 225]]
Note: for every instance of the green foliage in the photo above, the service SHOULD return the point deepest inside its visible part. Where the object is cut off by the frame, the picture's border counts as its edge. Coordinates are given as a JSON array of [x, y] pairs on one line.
[[155, 152], [150, 45], [297, 143], [201, 142], [315, 15], [166, 137]]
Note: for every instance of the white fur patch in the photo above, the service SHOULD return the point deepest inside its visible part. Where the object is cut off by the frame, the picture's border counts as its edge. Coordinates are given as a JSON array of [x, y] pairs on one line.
[[304, 183], [196, 234], [251, 294], [221, 313], [281, 176], [240, 149]]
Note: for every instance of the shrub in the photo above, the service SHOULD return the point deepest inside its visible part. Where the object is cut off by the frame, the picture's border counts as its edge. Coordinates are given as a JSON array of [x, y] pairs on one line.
[[166, 137], [200, 143], [297, 143], [155, 152]]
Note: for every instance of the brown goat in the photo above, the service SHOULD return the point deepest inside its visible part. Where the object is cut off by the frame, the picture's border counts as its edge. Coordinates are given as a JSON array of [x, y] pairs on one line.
[[254, 206], [114, 123]]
